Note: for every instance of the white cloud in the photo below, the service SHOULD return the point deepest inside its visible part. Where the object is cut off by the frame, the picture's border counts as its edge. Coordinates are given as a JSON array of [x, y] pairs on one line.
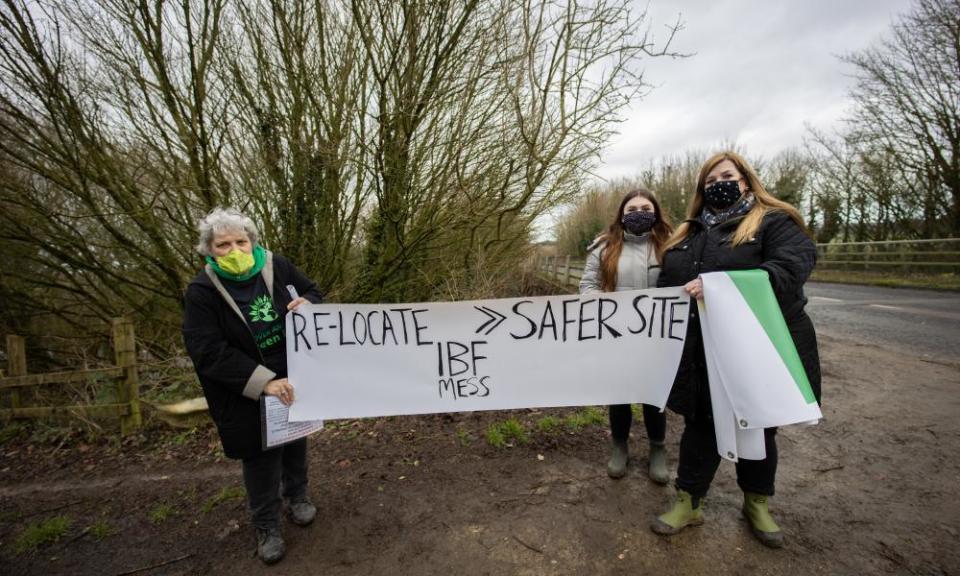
[[762, 70]]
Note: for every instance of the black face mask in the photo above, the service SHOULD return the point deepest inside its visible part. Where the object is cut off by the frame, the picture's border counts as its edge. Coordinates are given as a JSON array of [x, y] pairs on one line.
[[638, 222], [722, 194]]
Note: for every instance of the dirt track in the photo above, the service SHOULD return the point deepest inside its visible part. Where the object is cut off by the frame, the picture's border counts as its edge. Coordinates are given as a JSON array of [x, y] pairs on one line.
[[872, 489]]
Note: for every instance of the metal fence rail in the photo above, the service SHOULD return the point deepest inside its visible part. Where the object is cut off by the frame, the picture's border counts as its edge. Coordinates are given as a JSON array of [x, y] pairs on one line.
[[938, 256], [932, 256]]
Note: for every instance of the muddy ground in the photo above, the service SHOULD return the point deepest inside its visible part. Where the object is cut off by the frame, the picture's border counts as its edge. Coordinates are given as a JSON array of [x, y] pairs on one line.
[[871, 490]]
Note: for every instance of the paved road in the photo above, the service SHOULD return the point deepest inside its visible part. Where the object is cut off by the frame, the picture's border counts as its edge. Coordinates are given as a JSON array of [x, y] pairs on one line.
[[920, 322]]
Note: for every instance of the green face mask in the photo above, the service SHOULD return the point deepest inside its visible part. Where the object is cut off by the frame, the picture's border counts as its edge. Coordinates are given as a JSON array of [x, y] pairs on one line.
[[236, 262]]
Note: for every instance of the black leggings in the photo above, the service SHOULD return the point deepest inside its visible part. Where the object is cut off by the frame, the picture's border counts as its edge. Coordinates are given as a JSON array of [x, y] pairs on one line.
[[699, 461], [655, 421]]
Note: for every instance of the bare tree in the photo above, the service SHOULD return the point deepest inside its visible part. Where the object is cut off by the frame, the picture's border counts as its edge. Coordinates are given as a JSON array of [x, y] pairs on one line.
[[486, 115], [106, 125], [387, 147], [908, 106], [836, 196], [786, 175], [674, 179], [298, 86]]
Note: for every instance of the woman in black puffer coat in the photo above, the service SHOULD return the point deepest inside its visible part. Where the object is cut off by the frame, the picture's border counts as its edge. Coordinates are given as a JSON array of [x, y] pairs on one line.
[[733, 223]]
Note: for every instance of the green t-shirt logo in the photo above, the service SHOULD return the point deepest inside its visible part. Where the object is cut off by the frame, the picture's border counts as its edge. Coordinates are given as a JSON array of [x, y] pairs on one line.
[[261, 310]]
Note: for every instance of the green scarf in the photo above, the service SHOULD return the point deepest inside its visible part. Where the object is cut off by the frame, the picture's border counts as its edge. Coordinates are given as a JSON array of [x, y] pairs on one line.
[[259, 259]]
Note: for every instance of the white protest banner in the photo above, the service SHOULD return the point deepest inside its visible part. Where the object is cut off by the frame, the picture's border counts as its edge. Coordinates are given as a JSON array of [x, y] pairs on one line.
[[365, 360], [756, 378]]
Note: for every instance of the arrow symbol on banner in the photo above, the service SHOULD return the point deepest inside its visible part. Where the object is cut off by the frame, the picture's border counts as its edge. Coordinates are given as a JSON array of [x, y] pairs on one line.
[[494, 317]]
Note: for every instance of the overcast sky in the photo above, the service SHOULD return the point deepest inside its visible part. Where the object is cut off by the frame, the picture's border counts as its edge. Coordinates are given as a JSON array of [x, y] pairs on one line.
[[761, 70]]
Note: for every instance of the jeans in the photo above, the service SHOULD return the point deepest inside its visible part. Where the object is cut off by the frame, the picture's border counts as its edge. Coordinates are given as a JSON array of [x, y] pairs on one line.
[[265, 474]]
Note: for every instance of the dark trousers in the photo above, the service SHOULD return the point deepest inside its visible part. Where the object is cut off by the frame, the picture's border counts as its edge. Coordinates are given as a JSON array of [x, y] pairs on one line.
[[265, 474], [699, 461], [655, 421]]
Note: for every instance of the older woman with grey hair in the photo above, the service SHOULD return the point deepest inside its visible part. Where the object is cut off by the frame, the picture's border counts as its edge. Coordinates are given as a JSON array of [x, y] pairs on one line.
[[233, 329]]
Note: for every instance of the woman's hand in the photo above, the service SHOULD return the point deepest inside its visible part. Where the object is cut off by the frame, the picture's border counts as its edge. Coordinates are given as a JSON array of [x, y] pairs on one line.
[[296, 302], [281, 388], [694, 288]]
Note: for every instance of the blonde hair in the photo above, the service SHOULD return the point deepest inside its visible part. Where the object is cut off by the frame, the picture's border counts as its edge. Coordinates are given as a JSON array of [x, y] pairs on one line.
[[764, 202]]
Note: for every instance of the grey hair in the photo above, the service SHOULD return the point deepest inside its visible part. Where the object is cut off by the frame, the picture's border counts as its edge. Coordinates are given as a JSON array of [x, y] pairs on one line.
[[223, 220]]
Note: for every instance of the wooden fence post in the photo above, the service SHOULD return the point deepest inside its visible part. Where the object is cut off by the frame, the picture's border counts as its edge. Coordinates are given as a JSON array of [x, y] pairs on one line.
[[566, 272], [16, 364], [556, 266], [128, 388]]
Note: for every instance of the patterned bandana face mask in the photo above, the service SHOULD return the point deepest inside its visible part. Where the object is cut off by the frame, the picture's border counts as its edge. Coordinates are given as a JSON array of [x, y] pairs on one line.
[[638, 222], [722, 195], [237, 262]]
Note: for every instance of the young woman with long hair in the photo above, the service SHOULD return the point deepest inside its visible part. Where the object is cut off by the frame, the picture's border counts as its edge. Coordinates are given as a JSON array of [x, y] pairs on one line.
[[627, 257]]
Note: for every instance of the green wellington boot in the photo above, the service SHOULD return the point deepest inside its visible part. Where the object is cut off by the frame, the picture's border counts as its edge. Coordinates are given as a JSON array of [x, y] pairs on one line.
[[761, 522], [658, 463], [686, 511], [617, 466]]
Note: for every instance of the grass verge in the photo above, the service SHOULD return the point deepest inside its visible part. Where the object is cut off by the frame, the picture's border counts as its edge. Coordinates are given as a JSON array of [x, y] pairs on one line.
[[40, 533], [161, 512], [224, 495], [586, 417], [923, 281], [506, 433], [101, 529]]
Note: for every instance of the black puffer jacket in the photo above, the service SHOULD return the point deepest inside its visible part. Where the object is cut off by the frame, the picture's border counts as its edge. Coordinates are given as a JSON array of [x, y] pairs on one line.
[[226, 357], [782, 249]]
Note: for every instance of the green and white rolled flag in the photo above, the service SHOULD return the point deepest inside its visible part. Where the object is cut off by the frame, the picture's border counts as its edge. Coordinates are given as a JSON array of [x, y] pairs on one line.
[[756, 378], [733, 442]]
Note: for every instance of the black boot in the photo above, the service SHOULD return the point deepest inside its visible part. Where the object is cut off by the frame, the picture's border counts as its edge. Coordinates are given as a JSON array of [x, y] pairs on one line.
[[270, 545]]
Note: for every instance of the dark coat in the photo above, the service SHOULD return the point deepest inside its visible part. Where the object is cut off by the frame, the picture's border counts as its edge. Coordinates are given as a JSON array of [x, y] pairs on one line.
[[225, 355], [782, 249]]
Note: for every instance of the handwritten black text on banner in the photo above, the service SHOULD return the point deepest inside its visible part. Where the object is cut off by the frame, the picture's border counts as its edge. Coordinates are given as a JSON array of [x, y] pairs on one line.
[[360, 360]]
